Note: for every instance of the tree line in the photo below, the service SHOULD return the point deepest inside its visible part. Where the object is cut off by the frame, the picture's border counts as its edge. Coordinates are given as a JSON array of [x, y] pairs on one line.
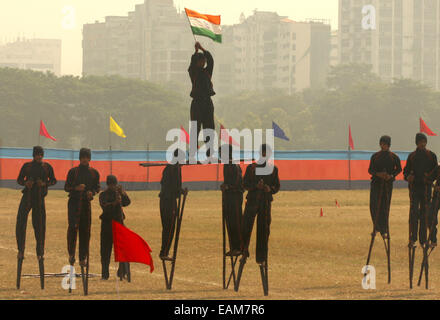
[[76, 111]]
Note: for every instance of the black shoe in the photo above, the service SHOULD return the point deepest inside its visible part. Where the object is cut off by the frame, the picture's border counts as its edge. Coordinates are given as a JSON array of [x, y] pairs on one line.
[[105, 274]]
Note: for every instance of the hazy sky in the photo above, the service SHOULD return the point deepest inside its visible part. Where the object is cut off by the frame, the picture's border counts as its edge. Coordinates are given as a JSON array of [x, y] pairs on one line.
[[45, 18]]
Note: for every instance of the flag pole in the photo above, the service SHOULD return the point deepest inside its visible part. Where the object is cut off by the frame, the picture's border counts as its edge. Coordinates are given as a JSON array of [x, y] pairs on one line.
[[39, 135], [190, 26], [0, 162], [148, 169], [349, 168], [110, 149]]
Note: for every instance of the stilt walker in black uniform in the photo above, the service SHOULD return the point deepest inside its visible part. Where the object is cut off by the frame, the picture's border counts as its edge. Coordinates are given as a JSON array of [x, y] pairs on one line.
[[232, 213], [261, 189], [384, 167], [82, 184], [171, 213], [420, 172], [36, 176]]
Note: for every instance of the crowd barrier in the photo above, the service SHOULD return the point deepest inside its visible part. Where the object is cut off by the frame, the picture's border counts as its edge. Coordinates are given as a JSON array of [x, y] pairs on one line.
[[298, 170]]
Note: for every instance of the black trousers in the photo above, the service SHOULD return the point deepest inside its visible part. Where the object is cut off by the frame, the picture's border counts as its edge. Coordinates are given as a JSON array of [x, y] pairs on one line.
[[202, 111], [433, 216], [38, 208], [168, 215], [80, 220], [261, 209], [380, 200], [106, 248], [419, 216], [233, 213]]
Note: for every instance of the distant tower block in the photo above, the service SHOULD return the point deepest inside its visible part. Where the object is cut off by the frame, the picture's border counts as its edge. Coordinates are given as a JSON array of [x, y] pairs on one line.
[[242, 17]]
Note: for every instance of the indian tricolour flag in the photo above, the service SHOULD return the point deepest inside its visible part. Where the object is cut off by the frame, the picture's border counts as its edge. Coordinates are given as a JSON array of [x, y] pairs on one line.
[[205, 25]]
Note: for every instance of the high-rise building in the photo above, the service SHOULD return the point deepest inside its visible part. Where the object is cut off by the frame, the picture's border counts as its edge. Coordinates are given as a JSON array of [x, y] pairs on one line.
[[34, 54], [334, 48], [150, 44], [266, 50], [155, 43], [399, 38]]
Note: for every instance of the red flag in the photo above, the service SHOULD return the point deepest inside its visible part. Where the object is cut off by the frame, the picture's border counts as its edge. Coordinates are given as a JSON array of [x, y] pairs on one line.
[[44, 133], [322, 212], [224, 136], [184, 136], [130, 247], [337, 203], [425, 129], [350, 138]]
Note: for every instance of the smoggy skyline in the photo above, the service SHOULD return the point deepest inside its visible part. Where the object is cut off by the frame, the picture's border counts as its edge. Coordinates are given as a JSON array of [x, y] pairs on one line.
[[51, 18]]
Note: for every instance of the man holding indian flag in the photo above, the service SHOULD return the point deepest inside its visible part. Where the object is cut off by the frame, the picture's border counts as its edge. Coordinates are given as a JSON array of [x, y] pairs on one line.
[[201, 69]]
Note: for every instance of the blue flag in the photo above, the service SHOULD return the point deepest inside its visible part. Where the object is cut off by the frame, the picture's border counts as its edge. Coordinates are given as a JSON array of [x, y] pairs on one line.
[[278, 132]]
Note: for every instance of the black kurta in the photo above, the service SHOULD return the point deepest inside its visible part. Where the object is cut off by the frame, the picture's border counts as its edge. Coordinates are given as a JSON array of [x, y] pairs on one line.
[[381, 190], [233, 204], [33, 199], [422, 164], [79, 208], [258, 202], [171, 188], [111, 210]]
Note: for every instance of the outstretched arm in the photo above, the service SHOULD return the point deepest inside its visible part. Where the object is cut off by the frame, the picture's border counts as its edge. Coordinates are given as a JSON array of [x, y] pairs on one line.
[[209, 58]]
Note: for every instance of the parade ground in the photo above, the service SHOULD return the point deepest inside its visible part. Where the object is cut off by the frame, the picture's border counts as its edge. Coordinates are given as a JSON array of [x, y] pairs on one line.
[[310, 257]]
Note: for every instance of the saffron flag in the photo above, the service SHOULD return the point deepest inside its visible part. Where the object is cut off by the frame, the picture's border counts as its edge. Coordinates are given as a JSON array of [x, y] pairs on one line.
[[350, 138], [184, 135], [44, 132], [114, 127], [130, 247], [425, 129], [205, 25], [278, 132], [225, 137]]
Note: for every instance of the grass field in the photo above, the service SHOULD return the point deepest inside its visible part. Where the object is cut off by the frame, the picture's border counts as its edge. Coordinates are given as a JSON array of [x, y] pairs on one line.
[[310, 257]]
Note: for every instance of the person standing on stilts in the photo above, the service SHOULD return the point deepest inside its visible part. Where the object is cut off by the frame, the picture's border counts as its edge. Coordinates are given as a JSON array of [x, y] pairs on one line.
[[232, 193], [36, 176], [171, 189], [420, 172], [384, 168], [261, 189], [82, 184]]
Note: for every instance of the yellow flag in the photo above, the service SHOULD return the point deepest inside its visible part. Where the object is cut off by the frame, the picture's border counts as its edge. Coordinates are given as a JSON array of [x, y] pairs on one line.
[[114, 127]]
